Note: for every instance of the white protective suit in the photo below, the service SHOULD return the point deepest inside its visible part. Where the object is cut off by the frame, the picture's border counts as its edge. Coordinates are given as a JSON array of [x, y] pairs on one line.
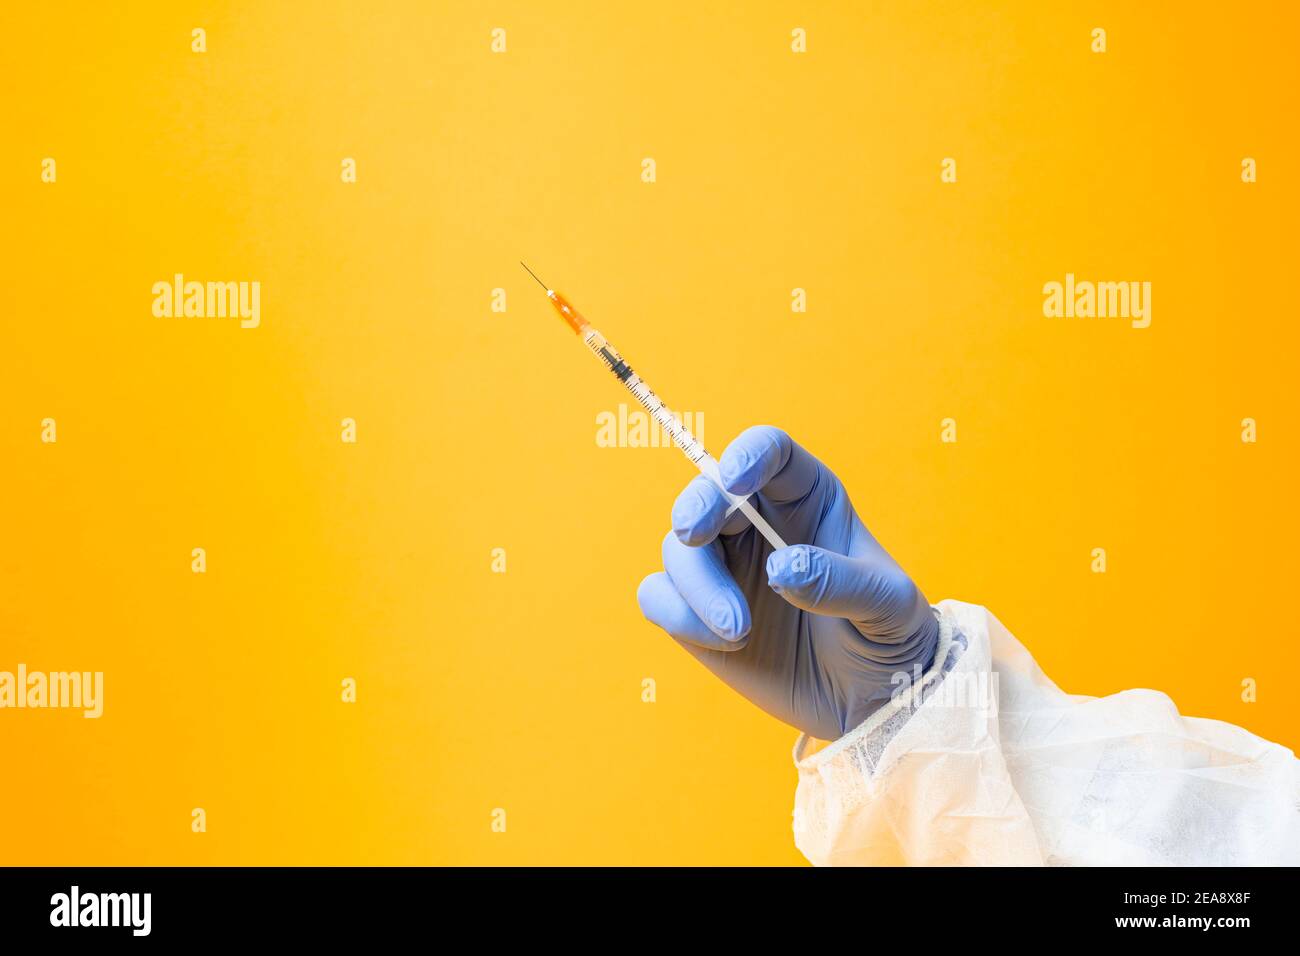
[[997, 765]]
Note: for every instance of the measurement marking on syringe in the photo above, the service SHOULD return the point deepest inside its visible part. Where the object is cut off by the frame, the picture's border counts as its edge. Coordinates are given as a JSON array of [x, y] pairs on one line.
[[671, 423]]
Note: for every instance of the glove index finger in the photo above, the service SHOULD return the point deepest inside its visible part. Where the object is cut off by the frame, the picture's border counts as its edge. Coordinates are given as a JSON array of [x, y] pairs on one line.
[[699, 512], [766, 459]]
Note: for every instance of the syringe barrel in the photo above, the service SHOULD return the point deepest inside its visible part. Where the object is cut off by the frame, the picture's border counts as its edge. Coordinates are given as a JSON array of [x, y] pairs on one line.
[[691, 446]]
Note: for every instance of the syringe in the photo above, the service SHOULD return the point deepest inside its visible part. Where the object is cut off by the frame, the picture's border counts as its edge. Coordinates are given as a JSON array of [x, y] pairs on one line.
[[645, 396]]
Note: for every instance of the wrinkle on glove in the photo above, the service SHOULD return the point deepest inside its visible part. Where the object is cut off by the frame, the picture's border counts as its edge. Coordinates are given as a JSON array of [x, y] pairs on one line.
[[1025, 774]]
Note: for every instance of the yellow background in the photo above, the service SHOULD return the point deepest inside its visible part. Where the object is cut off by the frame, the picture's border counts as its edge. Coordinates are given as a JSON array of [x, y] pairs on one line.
[[477, 429]]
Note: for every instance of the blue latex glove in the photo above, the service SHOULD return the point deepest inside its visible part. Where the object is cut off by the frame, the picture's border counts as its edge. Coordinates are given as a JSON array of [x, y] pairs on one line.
[[834, 619]]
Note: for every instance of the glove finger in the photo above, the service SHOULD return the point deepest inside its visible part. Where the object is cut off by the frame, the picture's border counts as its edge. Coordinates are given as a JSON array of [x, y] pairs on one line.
[[872, 593], [662, 605], [766, 459], [700, 514], [702, 579]]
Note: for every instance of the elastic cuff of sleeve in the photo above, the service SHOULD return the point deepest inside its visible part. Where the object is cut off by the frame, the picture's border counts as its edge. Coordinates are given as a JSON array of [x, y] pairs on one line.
[[809, 752]]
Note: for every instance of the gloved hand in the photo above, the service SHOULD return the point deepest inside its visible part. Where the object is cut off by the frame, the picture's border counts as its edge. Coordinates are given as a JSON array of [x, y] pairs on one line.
[[833, 617]]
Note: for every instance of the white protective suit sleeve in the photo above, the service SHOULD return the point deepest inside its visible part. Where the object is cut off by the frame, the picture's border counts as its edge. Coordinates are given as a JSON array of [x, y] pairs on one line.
[[986, 761]]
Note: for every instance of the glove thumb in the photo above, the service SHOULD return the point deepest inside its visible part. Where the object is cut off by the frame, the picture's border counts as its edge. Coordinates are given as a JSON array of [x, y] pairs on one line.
[[872, 593]]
